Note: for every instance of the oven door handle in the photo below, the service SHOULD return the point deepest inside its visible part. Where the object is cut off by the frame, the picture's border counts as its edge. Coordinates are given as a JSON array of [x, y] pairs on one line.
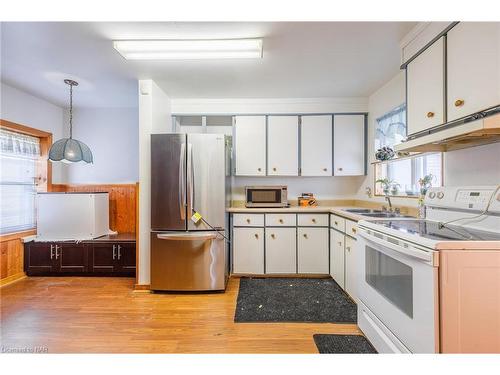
[[424, 255]]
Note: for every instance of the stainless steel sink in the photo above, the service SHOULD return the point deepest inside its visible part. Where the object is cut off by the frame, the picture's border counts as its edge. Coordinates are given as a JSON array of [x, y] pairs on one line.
[[374, 213], [361, 211]]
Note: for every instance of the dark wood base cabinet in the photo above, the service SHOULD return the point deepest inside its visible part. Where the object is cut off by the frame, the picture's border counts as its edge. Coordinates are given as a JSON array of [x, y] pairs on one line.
[[88, 258]]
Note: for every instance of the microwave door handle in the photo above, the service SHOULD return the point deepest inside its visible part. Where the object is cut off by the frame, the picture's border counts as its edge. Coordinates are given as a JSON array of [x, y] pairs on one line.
[[182, 181], [421, 255]]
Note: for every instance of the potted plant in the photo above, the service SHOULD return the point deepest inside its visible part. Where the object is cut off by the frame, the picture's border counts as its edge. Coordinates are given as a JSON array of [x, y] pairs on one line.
[[425, 183], [395, 188], [386, 184]]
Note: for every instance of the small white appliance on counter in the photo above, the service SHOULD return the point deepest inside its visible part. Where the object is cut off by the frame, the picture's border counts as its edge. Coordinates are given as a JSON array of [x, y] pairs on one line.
[[432, 285], [72, 216]]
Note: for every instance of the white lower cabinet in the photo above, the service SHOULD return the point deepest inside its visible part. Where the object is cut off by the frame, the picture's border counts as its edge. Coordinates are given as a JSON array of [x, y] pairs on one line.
[[248, 250], [281, 250], [337, 259], [312, 250], [351, 268]]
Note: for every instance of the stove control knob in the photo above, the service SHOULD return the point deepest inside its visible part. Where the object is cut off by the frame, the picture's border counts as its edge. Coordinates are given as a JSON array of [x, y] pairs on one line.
[[432, 195], [440, 195]]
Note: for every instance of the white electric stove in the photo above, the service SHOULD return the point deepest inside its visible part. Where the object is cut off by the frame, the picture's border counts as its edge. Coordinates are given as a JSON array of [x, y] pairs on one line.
[[398, 260]]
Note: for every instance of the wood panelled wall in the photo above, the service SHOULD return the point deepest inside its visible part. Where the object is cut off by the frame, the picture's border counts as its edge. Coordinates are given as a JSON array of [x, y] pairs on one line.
[[122, 203]]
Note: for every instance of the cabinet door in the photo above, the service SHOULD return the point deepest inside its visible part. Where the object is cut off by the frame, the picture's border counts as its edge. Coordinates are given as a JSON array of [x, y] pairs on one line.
[[349, 145], [72, 257], [337, 257], [250, 145], [104, 258], [281, 250], [316, 145], [425, 89], [248, 251], [40, 258], [312, 251], [126, 258], [350, 268], [283, 146], [473, 68]]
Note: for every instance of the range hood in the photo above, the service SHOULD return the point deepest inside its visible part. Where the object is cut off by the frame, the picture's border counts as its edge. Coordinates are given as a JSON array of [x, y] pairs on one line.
[[456, 136]]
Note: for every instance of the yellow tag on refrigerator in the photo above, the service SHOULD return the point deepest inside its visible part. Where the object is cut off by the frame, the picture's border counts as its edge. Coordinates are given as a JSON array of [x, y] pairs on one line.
[[196, 217]]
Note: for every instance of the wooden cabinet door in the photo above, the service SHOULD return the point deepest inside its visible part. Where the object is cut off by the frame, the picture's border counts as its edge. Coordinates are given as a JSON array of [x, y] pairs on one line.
[[337, 257], [126, 258], [349, 145], [351, 267], [250, 145], [425, 89], [312, 250], [72, 257], [283, 146], [473, 68], [316, 145], [248, 251], [281, 250], [104, 258], [40, 258]]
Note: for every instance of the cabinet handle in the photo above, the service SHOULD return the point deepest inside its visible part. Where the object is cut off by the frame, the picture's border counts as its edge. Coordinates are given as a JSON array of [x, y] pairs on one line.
[[305, 235], [248, 221], [119, 252], [114, 252], [256, 235], [336, 222], [341, 169], [57, 252], [51, 251], [353, 230], [314, 220], [281, 221], [259, 169], [325, 169], [459, 102], [430, 114], [274, 169], [348, 248], [340, 243], [273, 236]]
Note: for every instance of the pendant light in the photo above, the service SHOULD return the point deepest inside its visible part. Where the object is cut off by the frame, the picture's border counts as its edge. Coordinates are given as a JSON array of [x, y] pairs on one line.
[[69, 150]]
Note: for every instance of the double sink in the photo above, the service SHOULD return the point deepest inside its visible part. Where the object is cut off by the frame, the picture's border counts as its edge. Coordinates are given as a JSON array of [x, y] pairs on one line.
[[374, 213]]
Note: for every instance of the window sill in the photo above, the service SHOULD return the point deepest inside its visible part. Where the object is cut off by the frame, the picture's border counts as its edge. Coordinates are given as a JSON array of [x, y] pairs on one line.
[[17, 235]]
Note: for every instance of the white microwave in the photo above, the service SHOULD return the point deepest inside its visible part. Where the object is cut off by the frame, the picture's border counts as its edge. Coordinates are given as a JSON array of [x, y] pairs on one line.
[[266, 196]]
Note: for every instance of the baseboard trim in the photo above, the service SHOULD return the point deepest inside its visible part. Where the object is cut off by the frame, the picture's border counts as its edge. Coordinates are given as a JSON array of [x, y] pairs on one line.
[[146, 287], [12, 279]]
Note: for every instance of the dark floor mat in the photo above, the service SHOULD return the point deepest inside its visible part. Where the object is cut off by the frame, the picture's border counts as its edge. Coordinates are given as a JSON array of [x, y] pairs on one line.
[[343, 344], [293, 300]]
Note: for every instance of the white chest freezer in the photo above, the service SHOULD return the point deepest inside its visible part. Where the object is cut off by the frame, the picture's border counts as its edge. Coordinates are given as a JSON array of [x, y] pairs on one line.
[[72, 216]]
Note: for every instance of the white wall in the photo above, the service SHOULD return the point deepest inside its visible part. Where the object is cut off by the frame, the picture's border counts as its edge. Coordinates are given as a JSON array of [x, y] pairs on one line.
[[25, 109], [154, 117], [322, 187], [113, 137], [472, 166]]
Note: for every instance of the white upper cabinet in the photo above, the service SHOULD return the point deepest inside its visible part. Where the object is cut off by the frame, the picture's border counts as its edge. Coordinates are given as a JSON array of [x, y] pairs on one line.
[[283, 145], [316, 146], [349, 145], [250, 145], [473, 68], [425, 89]]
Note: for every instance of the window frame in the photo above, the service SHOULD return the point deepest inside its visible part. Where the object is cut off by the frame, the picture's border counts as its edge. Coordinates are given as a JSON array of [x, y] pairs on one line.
[[43, 166]]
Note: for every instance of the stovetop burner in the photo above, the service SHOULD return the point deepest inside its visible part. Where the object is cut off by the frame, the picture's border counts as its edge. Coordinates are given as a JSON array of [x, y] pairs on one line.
[[432, 230]]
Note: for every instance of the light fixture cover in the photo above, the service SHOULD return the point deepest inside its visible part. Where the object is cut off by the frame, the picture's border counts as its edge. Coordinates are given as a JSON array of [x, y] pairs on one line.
[[189, 49], [71, 151]]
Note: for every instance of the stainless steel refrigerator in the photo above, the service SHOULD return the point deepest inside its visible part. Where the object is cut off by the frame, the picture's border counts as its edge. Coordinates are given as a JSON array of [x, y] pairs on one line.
[[190, 173]]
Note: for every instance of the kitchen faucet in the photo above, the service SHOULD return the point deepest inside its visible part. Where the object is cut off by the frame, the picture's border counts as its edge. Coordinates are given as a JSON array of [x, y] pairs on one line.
[[388, 199]]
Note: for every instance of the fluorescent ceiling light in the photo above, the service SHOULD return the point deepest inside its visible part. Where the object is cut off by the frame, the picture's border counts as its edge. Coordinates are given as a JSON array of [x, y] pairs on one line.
[[189, 49]]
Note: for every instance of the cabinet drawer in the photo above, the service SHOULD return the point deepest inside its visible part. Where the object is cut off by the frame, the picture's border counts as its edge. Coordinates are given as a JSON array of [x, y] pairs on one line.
[[248, 220], [313, 220], [337, 222], [351, 228], [281, 220]]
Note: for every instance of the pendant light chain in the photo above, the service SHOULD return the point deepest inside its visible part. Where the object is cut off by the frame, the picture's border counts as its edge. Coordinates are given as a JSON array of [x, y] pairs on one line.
[[70, 111]]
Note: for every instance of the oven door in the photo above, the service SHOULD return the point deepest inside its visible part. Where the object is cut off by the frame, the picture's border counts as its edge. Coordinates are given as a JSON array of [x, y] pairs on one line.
[[397, 282]]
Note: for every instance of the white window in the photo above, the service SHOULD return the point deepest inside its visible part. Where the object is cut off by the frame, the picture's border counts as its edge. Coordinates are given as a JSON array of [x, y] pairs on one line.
[[403, 173], [19, 155]]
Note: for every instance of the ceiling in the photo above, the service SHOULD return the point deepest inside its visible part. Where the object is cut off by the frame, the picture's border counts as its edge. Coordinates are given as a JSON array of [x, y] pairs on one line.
[[301, 60]]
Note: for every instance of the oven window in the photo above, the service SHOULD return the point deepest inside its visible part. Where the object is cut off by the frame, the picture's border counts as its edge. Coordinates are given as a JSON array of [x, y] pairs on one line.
[[264, 196], [391, 278]]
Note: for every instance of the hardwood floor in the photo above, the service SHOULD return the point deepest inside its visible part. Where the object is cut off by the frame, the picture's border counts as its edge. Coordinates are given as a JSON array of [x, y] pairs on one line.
[[105, 315]]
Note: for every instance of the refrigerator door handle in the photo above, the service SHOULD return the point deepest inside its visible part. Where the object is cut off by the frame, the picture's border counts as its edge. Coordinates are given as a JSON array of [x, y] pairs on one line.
[[186, 236], [190, 179], [182, 182]]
